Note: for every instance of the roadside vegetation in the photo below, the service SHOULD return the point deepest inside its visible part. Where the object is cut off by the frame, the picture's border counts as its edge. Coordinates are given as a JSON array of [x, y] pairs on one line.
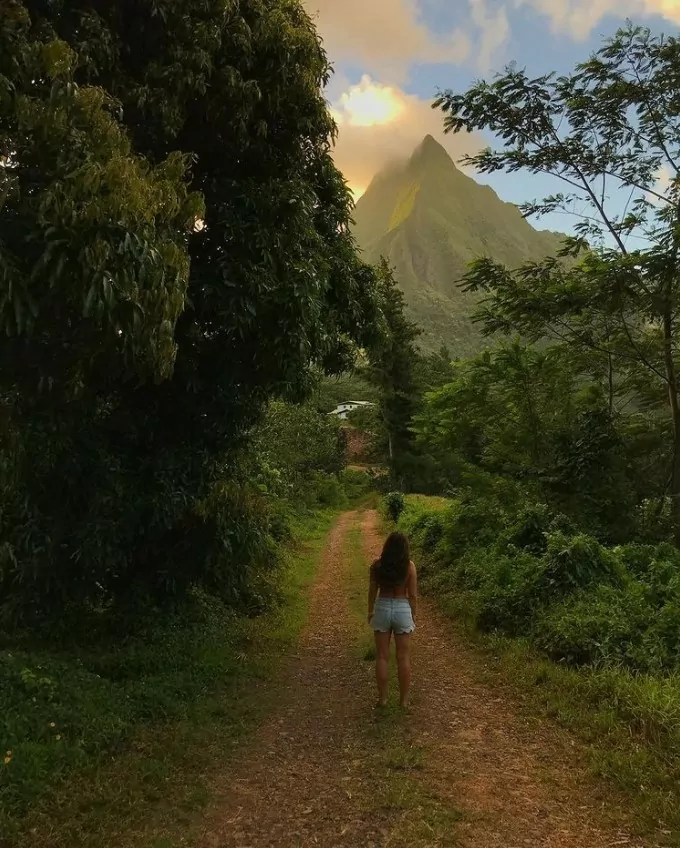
[[554, 454], [174, 327], [127, 709], [165, 319], [141, 727], [581, 628]]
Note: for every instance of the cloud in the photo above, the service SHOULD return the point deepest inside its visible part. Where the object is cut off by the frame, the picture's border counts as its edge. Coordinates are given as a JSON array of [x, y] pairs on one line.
[[381, 123], [385, 35], [579, 17], [664, 182], [494, 31]]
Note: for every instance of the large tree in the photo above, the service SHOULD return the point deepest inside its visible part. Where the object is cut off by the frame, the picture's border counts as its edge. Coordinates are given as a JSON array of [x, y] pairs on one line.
[[180, 253], [608, 130]]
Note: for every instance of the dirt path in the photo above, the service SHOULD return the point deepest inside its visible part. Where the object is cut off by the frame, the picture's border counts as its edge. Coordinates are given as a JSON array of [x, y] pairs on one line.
[[517, 786], [298, 783], [461, 770]]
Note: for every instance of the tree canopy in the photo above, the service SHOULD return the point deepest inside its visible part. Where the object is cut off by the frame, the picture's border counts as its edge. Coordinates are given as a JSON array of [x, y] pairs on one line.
[[174, 251]]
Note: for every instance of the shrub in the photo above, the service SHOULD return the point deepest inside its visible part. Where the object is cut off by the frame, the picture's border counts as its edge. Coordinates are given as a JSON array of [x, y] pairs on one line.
[[327, 490], [524, 572], [59, 712], [394, 505], [578, 562], [507, 589], [529, 530], [472, 523], [602, 626], [425, 528], [356, 483]]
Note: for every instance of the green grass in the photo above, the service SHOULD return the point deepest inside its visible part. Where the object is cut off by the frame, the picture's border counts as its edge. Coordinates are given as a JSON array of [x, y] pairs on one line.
[[139, 730], [628, 724]]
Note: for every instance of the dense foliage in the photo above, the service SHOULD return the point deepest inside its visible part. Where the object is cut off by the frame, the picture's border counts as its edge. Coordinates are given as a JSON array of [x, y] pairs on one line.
[[530, 417], [527, 571], [174, 250], [73, 697]]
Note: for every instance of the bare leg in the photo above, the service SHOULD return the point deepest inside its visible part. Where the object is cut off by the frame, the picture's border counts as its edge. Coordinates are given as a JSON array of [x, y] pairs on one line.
[[382, 659], [403, 643]]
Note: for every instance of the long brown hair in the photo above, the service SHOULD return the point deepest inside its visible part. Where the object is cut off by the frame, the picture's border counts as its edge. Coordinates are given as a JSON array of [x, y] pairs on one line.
[[391, 569]]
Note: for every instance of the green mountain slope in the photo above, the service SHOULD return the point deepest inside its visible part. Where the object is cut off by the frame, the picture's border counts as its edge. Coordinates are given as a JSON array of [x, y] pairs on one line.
[[430, 220]]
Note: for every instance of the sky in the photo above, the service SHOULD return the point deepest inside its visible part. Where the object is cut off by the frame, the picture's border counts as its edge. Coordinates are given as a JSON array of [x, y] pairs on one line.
[[391, 57]]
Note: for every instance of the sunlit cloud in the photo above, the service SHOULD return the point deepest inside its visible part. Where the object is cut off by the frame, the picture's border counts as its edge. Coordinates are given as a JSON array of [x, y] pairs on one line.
[[368, 104], [379, 124], [578, 18], [385, 36], [664, 182]]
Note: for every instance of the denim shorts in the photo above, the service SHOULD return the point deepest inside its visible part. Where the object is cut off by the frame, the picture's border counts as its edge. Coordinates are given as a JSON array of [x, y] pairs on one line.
[[393, 614]]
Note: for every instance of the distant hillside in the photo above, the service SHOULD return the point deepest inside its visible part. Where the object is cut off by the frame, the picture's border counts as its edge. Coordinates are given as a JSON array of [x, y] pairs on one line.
[[430, 220]]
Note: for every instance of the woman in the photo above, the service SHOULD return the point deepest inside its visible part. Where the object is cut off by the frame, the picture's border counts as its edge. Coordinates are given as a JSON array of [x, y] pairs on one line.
[[392, 606]]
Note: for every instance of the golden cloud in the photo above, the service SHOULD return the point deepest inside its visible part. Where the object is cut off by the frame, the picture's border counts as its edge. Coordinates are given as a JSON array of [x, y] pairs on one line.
[[384, 35], [379, 124]]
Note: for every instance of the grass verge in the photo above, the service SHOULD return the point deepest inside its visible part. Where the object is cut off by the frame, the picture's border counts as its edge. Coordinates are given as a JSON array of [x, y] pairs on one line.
[[624, 721], [118, 747], [629, 723]]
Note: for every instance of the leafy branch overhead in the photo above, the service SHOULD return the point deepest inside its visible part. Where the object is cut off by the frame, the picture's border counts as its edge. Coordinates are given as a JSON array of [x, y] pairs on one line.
[[610, 125], [607, 131]]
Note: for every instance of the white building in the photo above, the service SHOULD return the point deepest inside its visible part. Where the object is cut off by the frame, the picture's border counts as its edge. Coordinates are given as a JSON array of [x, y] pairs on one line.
[[344, 409]]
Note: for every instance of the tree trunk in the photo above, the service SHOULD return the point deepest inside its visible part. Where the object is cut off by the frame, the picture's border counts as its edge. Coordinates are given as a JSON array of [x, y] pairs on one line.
[[675, 418]]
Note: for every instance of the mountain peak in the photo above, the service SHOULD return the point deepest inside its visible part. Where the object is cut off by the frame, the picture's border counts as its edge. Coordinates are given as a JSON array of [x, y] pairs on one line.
[[430, 151], [430, 220]]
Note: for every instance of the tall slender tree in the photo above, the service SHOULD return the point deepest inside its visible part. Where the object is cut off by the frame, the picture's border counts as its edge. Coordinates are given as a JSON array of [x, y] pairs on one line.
[[392, 368]]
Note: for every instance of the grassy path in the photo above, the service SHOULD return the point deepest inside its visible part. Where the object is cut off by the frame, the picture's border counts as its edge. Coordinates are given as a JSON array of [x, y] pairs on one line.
[[320, 769], [463, 769], [289, 753]]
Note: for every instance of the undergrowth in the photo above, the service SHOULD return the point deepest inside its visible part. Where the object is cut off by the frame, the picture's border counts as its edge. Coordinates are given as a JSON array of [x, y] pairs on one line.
[[591, 632], [98, 737]]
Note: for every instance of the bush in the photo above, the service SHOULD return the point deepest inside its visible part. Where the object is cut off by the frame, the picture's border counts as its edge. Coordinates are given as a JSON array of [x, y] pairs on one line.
[[473, 523], [530, 529], [356, 483], [577, 562], [59, 712], [524, 572], [327, 490], [603, 626], [507, 590], [394, 505], [426, 530]]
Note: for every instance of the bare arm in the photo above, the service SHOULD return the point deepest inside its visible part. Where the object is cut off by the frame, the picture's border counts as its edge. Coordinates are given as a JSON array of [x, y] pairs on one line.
[[412, 589], [372, 593]]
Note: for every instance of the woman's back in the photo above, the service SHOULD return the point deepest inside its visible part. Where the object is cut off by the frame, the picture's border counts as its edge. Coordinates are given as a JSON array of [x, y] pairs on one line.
[[392, 588]]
